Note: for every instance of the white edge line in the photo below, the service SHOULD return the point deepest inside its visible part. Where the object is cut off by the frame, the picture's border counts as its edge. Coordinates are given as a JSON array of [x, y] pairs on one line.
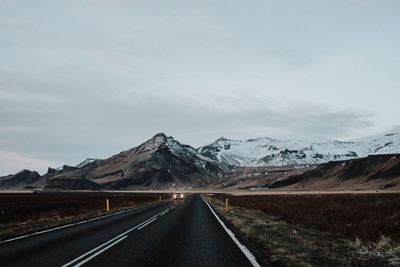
[[67, 225], [111, 240], [242, 247], [99, 252]]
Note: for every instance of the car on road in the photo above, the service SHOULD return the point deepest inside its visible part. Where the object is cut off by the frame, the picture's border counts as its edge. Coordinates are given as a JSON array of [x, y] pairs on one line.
[[178, 196]]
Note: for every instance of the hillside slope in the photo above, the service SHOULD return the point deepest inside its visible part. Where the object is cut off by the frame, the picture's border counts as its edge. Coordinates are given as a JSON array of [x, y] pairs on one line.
[[372, 172]]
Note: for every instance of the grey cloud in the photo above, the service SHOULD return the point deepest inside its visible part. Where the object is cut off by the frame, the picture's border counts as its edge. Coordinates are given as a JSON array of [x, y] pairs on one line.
[[90, 78], [100, 128]]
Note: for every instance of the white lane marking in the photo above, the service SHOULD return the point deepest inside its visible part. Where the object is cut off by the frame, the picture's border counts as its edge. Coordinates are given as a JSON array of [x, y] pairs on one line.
[[68, 225], [99, 252], [164, 212], [91, 251], [242, 247], [111, 240], [144, 225], [154, 217]]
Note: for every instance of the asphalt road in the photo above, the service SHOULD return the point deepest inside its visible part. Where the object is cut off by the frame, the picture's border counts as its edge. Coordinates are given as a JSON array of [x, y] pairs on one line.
[[180, 233]]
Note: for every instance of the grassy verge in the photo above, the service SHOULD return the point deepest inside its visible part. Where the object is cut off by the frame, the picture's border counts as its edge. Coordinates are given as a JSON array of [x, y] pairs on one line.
[[278, 243]]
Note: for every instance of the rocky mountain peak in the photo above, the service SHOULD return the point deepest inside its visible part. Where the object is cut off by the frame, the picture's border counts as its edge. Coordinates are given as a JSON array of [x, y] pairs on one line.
[[161, 136], [222, 139], [157, 141]]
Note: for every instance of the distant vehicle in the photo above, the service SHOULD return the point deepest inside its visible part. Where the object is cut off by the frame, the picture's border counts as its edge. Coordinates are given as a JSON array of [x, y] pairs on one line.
[[178, 196]]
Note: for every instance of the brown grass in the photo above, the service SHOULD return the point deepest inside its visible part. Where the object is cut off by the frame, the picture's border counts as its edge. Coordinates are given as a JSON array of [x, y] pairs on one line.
[[363, 216], [278, 243]]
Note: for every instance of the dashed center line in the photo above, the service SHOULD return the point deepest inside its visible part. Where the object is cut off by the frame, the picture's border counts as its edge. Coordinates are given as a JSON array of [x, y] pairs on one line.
[[100, 249], [164, 212], [147, 223]]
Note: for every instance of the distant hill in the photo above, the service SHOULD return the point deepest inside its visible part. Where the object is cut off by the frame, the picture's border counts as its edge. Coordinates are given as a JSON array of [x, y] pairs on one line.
[[22, 179], [372, 172]]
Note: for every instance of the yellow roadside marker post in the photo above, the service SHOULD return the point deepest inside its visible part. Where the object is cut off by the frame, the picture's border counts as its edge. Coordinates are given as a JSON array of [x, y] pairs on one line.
[[226, 205], [107, 204]]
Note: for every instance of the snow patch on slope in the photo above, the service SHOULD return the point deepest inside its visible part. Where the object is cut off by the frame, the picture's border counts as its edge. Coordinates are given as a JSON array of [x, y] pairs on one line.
[[86, 162]]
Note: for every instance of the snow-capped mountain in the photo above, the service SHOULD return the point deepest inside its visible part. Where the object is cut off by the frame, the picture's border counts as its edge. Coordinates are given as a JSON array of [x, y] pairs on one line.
[[272, 152], [163, 162], [160, 162]]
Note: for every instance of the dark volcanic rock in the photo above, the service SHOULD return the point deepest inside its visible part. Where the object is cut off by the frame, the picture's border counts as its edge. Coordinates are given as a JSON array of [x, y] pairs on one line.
[[69, 168], [65, 183], [24, 177], [51, 171]]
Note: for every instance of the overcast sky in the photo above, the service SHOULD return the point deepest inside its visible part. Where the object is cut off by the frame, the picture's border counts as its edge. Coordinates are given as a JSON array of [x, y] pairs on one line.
[[85, 79]]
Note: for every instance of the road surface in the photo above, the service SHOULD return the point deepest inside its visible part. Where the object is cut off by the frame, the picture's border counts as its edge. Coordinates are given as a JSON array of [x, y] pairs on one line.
[[180, 233]]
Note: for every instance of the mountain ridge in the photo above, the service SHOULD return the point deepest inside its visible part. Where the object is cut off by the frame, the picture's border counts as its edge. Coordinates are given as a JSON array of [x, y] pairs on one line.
[[264, 151], [163, 162]]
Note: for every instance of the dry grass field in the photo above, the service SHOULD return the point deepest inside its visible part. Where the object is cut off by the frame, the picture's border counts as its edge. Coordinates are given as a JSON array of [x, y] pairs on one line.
[[362, 216], [316, 229], [277, 243]]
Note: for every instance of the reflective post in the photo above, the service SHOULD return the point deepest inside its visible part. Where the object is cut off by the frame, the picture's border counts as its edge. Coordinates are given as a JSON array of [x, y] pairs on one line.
[[107, 204]]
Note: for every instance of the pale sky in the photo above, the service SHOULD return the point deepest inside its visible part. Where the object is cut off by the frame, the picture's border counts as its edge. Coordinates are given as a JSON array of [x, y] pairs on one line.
[[85, 79]]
